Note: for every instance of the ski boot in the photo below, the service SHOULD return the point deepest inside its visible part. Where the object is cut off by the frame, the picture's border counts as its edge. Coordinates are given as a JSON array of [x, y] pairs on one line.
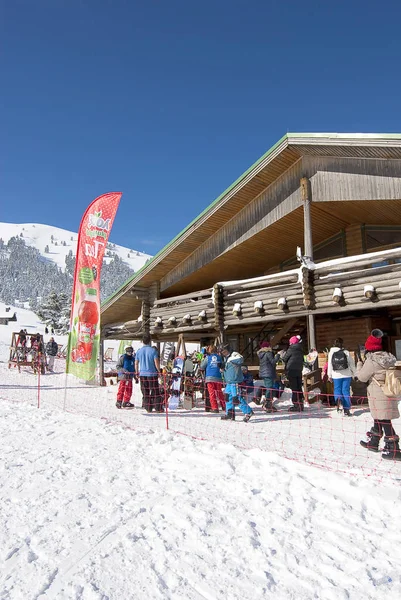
[[372, 443], [391, 450], [269, 407], [229, 416], [248, 416], [296, 407]]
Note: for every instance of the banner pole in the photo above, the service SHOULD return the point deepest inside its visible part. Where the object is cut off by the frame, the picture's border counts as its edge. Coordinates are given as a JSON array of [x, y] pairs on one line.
[[39, 369], [165, 398]]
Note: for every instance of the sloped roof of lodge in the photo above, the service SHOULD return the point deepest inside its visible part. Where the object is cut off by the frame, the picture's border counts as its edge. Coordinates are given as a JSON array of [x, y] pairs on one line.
[[265, 171]]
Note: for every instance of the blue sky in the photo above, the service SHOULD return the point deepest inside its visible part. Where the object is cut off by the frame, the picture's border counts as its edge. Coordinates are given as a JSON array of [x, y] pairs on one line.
[[170, 101]]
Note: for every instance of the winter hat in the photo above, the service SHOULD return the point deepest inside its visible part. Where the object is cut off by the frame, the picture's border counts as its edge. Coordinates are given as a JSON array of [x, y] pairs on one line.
[[227, 348], [374, 343], [265, 345], [295, 339]]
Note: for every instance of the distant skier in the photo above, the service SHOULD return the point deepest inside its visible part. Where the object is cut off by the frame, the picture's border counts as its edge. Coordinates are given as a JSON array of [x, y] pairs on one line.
[[126, 373], [51, 351]]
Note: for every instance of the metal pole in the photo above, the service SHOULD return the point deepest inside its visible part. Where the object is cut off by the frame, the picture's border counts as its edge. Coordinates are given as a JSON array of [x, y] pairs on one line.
[[102, 381], [306, 195]]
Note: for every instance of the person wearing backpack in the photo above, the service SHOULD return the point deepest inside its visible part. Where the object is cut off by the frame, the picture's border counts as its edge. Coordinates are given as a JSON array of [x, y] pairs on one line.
[[383, 408], [341, 370]]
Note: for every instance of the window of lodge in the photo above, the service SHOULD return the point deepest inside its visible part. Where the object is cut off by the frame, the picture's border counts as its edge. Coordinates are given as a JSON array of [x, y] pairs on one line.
[[377, 237]]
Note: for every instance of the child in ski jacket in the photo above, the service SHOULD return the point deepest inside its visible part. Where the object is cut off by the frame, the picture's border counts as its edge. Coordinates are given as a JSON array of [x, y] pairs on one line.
[[212, 364], [233, 376], [126, 373], [246, 386]]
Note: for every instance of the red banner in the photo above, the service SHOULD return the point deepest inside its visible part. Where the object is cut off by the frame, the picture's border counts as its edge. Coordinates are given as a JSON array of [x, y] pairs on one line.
[[94, 231]]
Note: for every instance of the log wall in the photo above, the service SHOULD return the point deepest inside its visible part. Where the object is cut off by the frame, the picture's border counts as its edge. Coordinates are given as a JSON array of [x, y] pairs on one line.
[[189, 304]]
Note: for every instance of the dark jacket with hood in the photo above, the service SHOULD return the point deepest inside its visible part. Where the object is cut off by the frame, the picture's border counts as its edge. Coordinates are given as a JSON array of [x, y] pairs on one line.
[[294, 360], [267, 363]]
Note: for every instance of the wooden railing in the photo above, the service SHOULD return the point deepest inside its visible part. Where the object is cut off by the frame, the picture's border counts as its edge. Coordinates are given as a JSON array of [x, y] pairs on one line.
[[193, 311]]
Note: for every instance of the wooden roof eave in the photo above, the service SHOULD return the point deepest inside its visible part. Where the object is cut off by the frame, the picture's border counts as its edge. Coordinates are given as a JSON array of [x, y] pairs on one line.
[[156, 268], [361, 145]]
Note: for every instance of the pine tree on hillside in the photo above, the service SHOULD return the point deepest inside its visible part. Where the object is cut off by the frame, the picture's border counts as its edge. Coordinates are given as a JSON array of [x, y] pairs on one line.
[[70, 263], [55, 311], [28, 276]]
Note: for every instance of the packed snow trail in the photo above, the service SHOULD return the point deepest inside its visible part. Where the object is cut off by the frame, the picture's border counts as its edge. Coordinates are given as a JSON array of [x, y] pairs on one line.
[[90, 510]]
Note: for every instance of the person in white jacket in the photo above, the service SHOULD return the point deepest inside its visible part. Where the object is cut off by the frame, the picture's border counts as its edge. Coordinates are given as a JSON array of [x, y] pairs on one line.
[[341, 369]]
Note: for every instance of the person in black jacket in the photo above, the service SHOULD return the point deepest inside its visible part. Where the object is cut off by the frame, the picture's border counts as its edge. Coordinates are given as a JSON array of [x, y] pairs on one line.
[[294, 362], [267, 372], [51, 351]]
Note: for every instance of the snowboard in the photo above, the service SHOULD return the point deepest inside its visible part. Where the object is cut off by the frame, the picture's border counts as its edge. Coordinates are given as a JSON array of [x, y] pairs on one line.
[[176, 380]]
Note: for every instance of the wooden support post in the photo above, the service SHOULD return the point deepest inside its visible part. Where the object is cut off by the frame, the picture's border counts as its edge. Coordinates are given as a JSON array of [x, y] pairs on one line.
[[306, 194], [276, 339], [219, 311]]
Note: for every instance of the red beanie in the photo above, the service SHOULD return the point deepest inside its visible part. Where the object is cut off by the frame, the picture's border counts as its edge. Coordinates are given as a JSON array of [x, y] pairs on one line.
[[265, 345], [373, 344]]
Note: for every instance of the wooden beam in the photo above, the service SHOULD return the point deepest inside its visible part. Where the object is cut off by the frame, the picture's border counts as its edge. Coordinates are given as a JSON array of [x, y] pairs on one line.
[[276, 339], [306, 192]]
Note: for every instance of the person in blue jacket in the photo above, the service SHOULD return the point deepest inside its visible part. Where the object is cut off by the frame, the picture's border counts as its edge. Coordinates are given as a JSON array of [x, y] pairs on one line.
[[246, 387], [126, 373], [212, 365], [233, 376]]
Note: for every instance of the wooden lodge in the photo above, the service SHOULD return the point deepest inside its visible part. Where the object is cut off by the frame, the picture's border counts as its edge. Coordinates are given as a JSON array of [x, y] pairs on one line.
[[233, 273]]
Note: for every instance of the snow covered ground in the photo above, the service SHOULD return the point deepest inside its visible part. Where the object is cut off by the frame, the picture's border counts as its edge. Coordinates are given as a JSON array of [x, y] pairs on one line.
[[97, 503]]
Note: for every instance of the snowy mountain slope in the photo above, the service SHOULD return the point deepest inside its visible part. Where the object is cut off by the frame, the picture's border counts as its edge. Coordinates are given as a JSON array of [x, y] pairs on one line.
[[39, 236]]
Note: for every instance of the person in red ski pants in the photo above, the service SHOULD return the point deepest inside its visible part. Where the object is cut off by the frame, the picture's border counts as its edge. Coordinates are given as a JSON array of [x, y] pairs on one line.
[[212, 365], [126, 374]]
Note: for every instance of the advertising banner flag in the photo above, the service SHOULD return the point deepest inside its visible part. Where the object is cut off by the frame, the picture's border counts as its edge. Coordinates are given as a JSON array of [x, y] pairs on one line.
[[83, 340]]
